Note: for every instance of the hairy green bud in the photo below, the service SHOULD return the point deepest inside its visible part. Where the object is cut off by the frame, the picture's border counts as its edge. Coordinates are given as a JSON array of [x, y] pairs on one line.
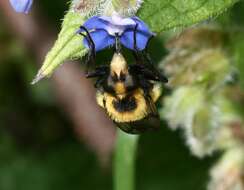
[[229, 171]]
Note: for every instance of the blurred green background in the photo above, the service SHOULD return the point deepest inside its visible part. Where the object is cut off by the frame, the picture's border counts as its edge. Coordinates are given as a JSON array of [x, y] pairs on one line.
[[39, 148]]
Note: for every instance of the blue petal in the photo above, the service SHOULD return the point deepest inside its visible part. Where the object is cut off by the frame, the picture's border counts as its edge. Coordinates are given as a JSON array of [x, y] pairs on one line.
[[101, 40], [142, 27], [99, 29], [95, 23], [143, 34], [21, 6], [127, 39]]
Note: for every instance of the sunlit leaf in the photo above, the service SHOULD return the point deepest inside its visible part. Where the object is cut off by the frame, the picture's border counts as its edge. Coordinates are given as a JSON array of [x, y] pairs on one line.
[[68, 46], [163, 15]]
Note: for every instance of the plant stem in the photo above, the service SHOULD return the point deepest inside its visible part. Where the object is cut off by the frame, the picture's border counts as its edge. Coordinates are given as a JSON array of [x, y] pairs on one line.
[[124, 161]]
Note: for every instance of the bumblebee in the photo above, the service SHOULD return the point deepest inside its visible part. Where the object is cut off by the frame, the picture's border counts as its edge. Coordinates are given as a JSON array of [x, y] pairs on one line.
[[127, 92]]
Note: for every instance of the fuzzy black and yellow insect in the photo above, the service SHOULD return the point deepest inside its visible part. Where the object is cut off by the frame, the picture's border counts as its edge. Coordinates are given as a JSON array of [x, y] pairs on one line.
[[128, 92]]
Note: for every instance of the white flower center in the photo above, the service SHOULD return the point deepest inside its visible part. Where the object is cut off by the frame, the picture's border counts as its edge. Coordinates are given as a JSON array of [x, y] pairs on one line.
[[117, 24]]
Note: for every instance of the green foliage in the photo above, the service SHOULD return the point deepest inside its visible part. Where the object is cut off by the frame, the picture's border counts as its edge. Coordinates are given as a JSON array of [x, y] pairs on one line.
[[68, 46], [163, 15]]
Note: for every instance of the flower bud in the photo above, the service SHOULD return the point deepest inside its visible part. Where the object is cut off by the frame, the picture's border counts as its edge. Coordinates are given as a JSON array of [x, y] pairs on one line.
[[126, 7], [86, 7], [210, 122], [208, 67], [202, 133], [228, 174], [197, 57], [181, 106], [231, 132], [123, 8]]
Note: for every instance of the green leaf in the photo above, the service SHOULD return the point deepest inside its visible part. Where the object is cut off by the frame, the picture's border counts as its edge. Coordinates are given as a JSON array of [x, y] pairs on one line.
[[163, 15], [68, 46]]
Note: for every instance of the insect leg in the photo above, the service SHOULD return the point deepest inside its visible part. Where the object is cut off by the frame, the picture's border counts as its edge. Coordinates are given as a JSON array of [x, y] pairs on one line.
[[92, 51], [154, 74], [98, 72], [147, 73], [134, 37], [136, 52], [99, 82]]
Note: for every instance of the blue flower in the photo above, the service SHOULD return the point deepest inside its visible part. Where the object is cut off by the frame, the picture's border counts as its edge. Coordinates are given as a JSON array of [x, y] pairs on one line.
[[21, 6], [103, 29]]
